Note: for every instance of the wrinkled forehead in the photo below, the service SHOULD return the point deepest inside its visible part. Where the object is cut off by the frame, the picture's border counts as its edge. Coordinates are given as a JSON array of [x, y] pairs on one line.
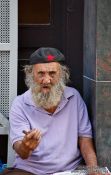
[[47, 67]]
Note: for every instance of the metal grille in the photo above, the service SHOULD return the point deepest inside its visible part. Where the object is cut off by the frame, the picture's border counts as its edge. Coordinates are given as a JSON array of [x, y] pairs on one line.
[[4, 21], [4, 82]]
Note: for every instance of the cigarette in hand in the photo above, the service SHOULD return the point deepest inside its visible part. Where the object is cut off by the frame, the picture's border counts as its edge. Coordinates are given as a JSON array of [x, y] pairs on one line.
[[25, 132]]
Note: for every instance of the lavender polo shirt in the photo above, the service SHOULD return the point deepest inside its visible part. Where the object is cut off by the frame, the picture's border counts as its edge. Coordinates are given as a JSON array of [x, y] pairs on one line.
[[58, 149]]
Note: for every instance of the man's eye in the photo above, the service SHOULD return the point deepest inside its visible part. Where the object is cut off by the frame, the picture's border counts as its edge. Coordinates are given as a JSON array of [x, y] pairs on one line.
[[41, 73], [52, 73]]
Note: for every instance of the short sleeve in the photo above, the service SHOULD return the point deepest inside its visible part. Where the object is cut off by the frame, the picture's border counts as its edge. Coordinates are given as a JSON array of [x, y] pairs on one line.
[[85, 129], [18, 121]]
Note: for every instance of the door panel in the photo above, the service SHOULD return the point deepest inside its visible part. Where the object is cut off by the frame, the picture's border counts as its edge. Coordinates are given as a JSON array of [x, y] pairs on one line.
[[34, 12]]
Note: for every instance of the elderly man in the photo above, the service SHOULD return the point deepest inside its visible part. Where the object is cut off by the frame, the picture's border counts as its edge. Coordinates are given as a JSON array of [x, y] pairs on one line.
[[49, 126]]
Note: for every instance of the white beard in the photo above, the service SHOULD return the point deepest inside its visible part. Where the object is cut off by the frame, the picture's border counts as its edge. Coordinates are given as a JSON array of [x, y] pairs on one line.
[[49, 99]]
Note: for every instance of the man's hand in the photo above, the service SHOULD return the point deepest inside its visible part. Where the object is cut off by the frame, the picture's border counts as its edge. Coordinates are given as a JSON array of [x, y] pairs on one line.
[[96, 170], [30, 141]]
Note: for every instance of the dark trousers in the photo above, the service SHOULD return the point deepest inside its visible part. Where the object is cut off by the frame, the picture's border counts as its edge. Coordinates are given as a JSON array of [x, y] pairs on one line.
[[15, 171]]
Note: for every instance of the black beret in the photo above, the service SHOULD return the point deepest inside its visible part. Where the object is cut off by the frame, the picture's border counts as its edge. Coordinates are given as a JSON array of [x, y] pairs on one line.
[[46, 55]]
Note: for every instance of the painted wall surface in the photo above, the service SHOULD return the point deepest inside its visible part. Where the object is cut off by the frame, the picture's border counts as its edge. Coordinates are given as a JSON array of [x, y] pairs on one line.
[[97, 74]]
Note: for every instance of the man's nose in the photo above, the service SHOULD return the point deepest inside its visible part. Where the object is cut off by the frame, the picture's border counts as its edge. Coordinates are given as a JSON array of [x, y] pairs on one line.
[[46, 79]]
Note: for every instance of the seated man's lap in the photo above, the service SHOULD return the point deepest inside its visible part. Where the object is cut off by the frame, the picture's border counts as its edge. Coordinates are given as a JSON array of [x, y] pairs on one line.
[[15, 171]]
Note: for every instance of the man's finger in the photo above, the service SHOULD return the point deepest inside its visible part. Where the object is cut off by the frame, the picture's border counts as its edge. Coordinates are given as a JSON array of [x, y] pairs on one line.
[[37, 135], [33, 134]]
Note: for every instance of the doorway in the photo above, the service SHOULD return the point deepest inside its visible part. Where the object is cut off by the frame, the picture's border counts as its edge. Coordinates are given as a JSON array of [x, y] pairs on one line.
[[53, 23]]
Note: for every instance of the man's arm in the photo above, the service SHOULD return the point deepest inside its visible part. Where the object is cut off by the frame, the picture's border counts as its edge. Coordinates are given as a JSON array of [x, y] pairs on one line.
[[30, 141], [87, 151]]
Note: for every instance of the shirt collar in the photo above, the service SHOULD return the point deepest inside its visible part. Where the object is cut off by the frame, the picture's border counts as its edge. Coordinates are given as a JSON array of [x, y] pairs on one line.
[[28, 98], [68, 92]]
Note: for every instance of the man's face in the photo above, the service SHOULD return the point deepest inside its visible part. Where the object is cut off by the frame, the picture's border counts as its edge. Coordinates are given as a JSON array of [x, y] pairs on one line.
[[46, 75]]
